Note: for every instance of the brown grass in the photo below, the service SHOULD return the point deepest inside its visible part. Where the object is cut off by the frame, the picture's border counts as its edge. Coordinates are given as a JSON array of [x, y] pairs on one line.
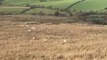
[[20, 41]]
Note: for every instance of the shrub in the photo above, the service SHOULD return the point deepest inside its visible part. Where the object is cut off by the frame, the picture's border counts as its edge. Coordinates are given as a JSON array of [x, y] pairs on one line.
[[63, 14], [42, 6], [41, 13], [34, 14], [61, 10], [50, 14], [33, 6], [49, 7], [99, 21], [57, 13], [105, 8], [27, 5]]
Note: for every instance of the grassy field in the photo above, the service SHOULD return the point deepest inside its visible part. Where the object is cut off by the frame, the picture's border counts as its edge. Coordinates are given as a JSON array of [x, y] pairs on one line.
[[87, 5], [55, 4], [20, 40], [37, 10], [62, 4], [91, 5], [12, 10]]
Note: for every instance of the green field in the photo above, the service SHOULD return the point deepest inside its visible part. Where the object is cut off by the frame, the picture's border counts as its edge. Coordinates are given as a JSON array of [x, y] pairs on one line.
[[53, 3], [90, 5], [87, 5], [37, 10], [61, 4], [11, 10]]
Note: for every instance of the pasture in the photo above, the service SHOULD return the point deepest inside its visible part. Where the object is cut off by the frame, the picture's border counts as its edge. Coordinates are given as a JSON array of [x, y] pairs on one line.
[[90, 5], [54, 3], [87, 5]]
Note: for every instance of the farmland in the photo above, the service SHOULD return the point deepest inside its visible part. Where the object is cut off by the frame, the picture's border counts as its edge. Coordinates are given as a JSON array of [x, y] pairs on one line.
[[47, 11], [13, 10], [22, 38], [85, 5], [57, 3], [63, 4], [53, 30], [91, 5]]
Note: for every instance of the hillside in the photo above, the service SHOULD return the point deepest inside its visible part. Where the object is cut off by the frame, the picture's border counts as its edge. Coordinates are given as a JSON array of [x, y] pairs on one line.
[[77, 5], [56, 4], [90, 5], [53, 3], [62, 4]]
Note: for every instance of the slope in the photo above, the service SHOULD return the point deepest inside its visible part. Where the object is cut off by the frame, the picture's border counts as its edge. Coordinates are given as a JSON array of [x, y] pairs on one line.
[[90, 5]]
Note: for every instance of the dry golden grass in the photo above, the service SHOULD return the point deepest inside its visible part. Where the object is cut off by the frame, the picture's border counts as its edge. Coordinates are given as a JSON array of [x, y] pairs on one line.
[[20, 41]]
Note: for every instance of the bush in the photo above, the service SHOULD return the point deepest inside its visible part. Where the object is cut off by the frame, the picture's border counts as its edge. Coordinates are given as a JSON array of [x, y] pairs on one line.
[[57, 13], [33, 6], [34, 14], [42, 6], [99, 21], [105, 8], [41, 13], [50, 14], [27, 5], [49, 7], [63, 14], [61, 9]]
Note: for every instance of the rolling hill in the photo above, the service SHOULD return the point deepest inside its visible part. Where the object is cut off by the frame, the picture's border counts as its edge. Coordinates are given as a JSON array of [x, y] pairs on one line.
[[54, 3], [77, 5], [90, 5]]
